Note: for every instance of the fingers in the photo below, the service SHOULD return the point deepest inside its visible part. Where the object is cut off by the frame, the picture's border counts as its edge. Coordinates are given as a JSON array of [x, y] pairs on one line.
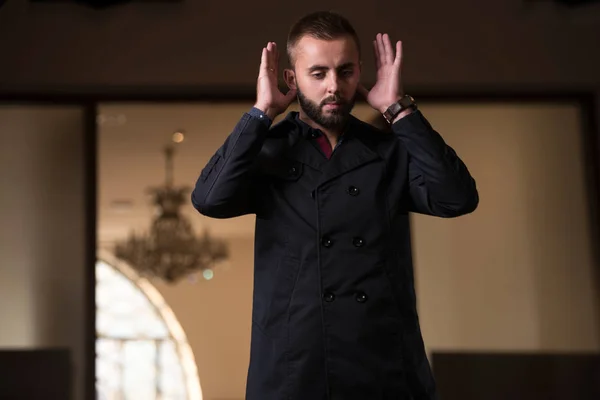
[[384, 53], [398, 59], [272, 50], [264, 61], [377, 56], [389, 52], [380, 49], [270, 59], [271, 56], [290, 96], [362, 90], [275, 57]]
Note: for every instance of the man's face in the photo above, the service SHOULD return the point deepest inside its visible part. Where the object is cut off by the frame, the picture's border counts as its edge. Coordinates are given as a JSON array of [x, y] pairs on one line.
[[326, 77]]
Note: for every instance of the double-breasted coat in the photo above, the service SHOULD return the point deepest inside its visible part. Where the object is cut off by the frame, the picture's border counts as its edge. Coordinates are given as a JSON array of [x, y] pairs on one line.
[[334, 310]]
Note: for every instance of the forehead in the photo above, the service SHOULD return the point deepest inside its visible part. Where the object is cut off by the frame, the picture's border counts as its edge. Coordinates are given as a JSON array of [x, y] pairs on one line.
[[310, 51]]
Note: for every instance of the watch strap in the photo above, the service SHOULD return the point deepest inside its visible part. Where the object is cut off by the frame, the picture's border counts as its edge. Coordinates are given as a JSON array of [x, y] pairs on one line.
[[396, 108]]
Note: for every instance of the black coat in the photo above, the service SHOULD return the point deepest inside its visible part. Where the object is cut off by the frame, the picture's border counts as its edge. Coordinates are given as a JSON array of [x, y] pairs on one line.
[[334, 310]]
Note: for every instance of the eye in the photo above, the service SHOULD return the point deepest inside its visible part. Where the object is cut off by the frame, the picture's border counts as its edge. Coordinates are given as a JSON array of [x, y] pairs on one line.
[[347, 73], [318, 75]]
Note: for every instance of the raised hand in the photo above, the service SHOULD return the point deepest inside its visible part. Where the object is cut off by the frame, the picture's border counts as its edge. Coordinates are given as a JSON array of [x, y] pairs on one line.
[[388, 87], [269, 98]]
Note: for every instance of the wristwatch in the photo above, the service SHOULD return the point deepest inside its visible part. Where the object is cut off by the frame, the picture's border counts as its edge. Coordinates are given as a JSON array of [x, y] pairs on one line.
[[405, 102]]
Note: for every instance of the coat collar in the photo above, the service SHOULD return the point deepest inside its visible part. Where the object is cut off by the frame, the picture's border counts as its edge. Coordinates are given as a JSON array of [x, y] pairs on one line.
[[305, 148], [351, 152]]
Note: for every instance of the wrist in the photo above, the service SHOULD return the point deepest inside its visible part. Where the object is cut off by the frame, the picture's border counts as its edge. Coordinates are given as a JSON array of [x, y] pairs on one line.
[[399, 109], [268, 111], [389, 103], [402, 114]]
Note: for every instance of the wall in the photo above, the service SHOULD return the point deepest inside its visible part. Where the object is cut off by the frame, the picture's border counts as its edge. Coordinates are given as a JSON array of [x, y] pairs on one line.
[[42, 235], [517, 274], [216, 316], [449, 46]]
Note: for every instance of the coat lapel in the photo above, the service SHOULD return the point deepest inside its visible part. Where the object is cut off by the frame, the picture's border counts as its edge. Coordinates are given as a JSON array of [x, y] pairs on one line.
[[305, 152], [349, 155], [300, 147]]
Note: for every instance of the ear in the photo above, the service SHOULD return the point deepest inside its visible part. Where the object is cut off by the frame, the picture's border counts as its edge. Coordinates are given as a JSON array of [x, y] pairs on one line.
[[290, 78]]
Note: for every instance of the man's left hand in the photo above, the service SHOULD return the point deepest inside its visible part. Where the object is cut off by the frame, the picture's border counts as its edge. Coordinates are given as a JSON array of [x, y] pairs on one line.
[[388, 88]]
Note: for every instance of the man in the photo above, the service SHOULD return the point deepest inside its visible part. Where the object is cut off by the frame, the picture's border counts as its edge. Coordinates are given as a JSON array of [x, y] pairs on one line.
[[334, 310]]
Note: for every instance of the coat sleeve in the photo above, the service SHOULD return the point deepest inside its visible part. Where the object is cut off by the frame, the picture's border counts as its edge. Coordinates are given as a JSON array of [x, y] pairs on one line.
[[229, 183], [439, 182]]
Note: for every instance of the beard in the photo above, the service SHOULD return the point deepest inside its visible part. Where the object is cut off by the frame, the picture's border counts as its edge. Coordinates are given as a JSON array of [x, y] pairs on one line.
[[332, 119]]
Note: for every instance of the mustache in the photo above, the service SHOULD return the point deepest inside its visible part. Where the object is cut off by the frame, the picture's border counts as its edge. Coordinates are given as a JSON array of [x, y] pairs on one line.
[[333, 99]]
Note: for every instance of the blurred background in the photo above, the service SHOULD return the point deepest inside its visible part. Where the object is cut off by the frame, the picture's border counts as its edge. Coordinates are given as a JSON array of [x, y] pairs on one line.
[[109, 111]]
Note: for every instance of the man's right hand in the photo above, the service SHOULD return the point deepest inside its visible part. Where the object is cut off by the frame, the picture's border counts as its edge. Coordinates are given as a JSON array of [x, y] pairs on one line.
[[269, 98]]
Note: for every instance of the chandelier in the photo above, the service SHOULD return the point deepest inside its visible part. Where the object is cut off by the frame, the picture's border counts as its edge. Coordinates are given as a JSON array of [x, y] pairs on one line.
[[170, 250]]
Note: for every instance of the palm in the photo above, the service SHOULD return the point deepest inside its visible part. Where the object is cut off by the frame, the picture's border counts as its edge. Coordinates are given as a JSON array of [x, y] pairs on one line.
[[388, 87], [267, 91], [267, 87]]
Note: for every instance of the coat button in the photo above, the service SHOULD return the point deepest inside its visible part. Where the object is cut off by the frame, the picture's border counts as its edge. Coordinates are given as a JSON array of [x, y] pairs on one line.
[[327, 242], [314, 135], [328, 297], [292, 171], [361, 297], [353, 191], [358, 242]]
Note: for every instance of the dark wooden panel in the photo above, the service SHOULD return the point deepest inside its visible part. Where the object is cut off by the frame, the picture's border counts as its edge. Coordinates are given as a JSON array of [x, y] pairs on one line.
[[498, 376], [35, 374]]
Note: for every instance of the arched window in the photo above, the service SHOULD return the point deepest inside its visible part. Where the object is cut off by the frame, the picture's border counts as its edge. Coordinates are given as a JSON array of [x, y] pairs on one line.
[[142, 352]]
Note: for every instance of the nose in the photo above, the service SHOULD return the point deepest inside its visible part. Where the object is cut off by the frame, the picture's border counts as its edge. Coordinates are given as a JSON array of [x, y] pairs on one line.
[[333, 83]]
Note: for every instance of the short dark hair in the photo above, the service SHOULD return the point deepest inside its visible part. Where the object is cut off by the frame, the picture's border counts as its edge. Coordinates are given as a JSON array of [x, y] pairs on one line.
[[323, 25]]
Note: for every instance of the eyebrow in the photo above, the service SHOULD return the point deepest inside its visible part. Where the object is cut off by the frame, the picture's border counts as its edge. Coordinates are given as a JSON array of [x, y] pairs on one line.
[[322, 67]]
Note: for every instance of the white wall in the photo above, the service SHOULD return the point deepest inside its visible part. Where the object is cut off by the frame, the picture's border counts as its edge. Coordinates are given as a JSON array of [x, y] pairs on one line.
[[42, 234]]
